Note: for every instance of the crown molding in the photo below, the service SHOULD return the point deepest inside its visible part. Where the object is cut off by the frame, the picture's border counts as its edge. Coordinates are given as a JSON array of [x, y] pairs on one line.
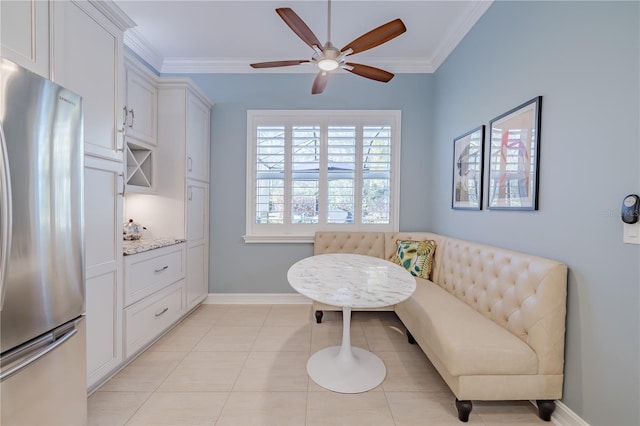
[[184, 65], [114, 13], [475, 10], [241, 66], [141, 47]]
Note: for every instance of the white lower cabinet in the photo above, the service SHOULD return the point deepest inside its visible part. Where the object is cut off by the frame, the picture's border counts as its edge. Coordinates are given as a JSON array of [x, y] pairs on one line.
[[154, 293], [146, 319], [147, 272], [197, 242], [198, 279]]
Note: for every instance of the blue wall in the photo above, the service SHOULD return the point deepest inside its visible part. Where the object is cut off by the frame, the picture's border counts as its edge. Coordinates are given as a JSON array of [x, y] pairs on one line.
[[583, 58], [237, 267]]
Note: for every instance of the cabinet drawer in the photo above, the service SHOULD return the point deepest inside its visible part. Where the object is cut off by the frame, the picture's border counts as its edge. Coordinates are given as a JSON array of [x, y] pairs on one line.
[[147, 272], [146, 319]]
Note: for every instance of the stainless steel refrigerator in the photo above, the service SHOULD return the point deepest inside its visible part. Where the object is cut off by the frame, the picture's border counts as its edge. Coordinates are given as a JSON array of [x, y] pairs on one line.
[[43, 360]]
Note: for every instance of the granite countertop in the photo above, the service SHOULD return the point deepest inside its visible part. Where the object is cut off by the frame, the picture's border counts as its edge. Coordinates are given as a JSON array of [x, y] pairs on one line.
[[146, 244]]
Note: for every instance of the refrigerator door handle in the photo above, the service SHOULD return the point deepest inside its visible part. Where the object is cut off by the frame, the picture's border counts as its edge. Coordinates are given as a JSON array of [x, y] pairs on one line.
[[5, 213], [36, 350]]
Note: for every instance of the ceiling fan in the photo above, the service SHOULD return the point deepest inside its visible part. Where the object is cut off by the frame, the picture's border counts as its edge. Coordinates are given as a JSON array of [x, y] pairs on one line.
[[328, 58]]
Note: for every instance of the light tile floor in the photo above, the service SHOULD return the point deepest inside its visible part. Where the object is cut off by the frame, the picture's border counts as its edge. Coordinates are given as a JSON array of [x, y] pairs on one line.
[[246, 365]]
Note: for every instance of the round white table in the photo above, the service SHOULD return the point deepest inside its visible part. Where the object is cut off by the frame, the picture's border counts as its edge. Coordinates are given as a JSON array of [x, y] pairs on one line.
[[349, 281]]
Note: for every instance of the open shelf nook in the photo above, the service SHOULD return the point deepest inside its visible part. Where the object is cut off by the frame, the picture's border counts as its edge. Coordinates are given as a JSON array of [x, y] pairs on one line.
[[139, 167]]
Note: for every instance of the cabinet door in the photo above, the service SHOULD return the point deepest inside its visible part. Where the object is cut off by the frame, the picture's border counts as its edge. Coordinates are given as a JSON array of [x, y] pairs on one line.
[[104, 181], [197, 242], [197, 212], [141, 105], [198, 118], [198, 274], [145, 320], [146, 273], [24, 34], [87, 60]]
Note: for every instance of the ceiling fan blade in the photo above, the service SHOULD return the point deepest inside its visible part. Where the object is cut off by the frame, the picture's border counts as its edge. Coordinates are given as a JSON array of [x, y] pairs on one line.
[[376, 37], [319, 83], [299, 27], [279, 63], [369, 72]]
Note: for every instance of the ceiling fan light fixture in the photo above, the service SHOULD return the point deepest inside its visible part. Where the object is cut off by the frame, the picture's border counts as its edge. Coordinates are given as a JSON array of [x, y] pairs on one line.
[[328, 64], [328, 58]]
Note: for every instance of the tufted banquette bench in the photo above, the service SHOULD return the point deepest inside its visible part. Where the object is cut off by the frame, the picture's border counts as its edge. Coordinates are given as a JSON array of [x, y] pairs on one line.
[[490, 320]]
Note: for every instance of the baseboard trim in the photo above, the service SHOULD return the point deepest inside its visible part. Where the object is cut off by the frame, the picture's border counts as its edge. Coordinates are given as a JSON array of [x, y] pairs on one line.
[[256, 299], [563, 416]]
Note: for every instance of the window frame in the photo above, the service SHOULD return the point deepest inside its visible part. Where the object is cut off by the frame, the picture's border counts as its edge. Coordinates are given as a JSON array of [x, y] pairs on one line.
[[304, 233]]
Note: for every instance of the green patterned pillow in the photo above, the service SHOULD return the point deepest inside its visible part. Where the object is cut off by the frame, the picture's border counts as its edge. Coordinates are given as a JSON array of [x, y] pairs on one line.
[[416, 257]]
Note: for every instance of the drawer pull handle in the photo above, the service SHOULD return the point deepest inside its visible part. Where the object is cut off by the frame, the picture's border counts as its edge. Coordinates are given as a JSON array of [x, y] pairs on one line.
[[164, 268], [162, 312]]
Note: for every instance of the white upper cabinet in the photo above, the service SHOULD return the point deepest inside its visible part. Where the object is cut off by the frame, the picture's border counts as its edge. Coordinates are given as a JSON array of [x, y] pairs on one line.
[[24, 34], [140, 125], [184, 115], [141, 103], [198, 143], [88, 61]]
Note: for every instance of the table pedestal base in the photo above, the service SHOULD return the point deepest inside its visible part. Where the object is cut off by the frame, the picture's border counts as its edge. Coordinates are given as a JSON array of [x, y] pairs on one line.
[[360, 372], [346, 369]]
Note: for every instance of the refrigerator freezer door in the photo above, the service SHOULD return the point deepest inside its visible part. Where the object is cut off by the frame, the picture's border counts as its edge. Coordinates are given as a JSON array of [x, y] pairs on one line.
[[44, 278], [51, 390]]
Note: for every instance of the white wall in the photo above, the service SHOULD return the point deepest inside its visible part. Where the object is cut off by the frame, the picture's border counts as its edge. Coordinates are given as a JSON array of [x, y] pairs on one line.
[[583, 58]]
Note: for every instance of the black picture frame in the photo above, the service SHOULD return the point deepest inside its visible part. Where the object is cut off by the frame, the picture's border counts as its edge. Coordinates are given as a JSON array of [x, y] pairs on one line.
[[514, 152], [466, 186]]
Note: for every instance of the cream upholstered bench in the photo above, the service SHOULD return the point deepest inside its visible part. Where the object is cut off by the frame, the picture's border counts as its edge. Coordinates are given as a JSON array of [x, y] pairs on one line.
[[490, 320]]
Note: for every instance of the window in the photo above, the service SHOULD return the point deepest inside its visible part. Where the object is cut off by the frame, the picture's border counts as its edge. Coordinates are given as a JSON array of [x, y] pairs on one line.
[[321, 170]]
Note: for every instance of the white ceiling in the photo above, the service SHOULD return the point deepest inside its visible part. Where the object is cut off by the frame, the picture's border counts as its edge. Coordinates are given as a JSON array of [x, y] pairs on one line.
[[212, 36]]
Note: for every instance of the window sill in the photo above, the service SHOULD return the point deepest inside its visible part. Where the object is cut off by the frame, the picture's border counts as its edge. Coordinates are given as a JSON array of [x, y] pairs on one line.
[[278, 239]]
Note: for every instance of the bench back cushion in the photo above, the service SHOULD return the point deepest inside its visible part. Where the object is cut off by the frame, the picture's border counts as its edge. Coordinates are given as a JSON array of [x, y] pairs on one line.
[[524, 294], [366, 243]]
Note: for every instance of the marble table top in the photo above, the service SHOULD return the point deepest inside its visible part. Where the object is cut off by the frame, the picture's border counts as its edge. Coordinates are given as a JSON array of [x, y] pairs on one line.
[[351, 280]]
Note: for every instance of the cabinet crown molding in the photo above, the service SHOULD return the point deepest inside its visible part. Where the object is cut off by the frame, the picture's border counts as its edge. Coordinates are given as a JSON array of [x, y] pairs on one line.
[[114, 14], [181, 83]]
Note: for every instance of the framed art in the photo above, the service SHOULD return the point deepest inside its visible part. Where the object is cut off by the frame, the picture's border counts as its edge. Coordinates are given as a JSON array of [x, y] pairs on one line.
[[514, 158], [467, 170]]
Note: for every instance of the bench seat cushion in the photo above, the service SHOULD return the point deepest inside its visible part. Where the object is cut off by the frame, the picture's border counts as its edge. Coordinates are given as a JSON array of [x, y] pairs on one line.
[[466, 342]]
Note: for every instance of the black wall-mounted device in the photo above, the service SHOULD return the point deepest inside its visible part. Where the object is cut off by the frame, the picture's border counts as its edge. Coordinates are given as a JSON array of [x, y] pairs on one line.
[[630, 208]]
